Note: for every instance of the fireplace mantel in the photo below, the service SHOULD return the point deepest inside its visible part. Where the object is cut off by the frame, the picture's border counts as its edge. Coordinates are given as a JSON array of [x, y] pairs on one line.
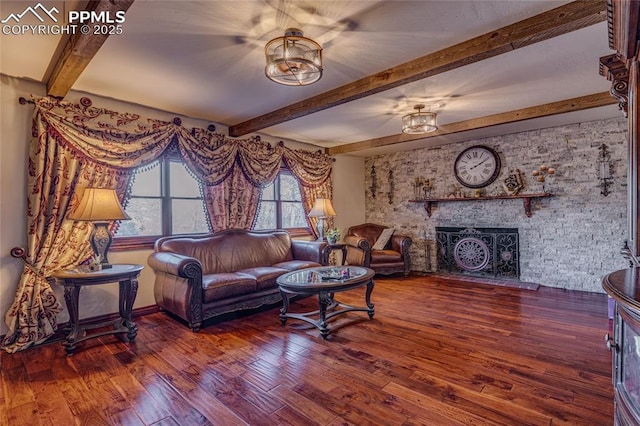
[[526, 200]]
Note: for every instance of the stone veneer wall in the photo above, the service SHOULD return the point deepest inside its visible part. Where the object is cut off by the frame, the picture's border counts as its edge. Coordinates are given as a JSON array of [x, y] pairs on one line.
[[571, 240]]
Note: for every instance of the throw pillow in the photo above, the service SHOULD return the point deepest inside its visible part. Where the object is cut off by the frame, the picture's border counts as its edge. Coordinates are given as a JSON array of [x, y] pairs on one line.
[[383, 239]]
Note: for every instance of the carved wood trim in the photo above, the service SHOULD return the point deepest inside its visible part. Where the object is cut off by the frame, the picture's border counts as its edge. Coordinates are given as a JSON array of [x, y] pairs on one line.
[[614, 68]]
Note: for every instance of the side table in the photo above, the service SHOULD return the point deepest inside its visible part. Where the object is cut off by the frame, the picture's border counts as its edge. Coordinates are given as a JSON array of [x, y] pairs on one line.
[[74, 279], [326, 252]]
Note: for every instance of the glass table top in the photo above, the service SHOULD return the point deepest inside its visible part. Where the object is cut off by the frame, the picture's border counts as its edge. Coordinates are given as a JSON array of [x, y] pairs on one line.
[[325, 274]]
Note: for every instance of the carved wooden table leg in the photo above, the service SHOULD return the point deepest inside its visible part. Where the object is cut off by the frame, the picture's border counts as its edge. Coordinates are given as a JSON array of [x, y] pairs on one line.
[[370, 305], [71, 296]]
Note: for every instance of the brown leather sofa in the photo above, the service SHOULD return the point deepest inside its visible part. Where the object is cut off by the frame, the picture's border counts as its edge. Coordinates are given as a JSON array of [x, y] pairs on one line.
[[393, 258], [199, 277]]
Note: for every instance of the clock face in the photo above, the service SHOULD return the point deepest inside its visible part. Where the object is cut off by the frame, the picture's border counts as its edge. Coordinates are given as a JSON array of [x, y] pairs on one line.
[[477, 166]]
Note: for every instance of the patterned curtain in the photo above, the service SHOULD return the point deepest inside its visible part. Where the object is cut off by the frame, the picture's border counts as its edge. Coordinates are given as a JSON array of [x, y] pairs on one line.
[[233, 203], [77, 146], [55, 175]]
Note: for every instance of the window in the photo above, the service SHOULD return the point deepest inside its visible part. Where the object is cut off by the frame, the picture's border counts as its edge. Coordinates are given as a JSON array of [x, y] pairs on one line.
[[165, 200], [281, 206]]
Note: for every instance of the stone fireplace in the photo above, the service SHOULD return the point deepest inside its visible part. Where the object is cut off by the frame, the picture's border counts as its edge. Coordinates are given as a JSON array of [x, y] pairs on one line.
[[492, 252]]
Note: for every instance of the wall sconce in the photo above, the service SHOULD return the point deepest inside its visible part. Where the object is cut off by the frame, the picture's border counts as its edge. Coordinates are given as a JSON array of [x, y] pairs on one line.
[[392, 186], [374, 182], [605, 170]]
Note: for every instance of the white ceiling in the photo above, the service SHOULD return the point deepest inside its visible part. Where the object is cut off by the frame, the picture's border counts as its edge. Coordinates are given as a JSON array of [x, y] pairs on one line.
[[205, 59]]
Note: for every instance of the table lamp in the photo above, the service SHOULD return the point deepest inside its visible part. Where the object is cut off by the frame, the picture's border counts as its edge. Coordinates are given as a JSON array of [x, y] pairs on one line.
[[100, 206], [321, 210]]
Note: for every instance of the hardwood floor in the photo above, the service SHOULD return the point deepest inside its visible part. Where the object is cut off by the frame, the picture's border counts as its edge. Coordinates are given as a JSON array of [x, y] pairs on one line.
[[438, 352]]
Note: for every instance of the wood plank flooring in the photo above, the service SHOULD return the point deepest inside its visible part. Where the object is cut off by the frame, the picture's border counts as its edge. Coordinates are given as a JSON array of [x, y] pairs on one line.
[[438, 352]]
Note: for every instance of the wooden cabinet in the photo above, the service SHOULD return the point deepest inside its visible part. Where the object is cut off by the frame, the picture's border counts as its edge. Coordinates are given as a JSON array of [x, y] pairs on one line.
[[624, 287]]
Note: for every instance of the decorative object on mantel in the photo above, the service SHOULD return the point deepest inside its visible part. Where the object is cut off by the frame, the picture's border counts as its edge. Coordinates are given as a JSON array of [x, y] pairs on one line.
[[605, 170], [100, 206], [513, 182], [427, 186], [374, 182], [543, 173], [418, 123], [293, 60], [477, 166], [421, 188], [391, 186]]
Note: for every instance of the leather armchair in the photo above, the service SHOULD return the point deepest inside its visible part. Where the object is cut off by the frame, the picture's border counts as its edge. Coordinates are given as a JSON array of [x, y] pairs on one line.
[[393, 258]]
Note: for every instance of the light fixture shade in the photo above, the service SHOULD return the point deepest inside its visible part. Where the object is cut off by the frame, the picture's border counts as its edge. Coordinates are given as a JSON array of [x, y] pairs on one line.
[[293, 59], [322, 208], [99, 205], [419, 122]]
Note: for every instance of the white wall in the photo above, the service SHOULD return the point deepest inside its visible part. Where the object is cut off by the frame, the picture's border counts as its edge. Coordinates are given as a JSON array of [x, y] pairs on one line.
[[99, 300]]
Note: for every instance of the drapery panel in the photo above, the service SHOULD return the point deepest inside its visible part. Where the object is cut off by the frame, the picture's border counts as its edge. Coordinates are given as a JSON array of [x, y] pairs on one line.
[[75, 146]]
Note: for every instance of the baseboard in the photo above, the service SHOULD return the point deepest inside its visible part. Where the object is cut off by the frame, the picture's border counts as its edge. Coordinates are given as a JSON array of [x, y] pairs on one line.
[[59, 335]]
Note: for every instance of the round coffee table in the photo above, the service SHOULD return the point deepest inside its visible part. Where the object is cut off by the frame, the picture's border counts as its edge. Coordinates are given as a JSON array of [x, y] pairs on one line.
[[325, 281]]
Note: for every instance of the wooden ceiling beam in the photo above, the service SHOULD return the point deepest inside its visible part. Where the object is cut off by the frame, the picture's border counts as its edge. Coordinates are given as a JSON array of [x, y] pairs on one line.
[[80, 49], [562, 20], [544, 110]]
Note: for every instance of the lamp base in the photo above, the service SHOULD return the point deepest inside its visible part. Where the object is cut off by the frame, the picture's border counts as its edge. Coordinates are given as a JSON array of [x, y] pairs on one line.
[[100, 240], [320, 228]]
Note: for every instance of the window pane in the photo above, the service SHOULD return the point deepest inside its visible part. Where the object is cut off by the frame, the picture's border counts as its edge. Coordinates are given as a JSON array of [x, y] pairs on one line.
[[146, 183], [182, 183], [289, 189], [146, 218], [266, 216], [293, 215], [268, 192], [188, 217]]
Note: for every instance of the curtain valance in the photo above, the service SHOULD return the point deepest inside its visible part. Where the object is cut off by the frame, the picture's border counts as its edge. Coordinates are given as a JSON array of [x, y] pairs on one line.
[[124, 141]]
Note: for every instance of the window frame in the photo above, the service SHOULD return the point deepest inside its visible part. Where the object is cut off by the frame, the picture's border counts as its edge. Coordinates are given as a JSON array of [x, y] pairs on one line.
[[297, 232], [148, 241]]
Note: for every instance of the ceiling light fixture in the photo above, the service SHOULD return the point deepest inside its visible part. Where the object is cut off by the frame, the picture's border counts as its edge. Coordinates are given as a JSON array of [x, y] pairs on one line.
[[293, 59], [419, 122]]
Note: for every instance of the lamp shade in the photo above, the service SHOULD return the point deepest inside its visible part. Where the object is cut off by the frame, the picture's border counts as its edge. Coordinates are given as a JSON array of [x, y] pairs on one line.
[[322, 208], [293, 60], [419, 122], [98, 204]]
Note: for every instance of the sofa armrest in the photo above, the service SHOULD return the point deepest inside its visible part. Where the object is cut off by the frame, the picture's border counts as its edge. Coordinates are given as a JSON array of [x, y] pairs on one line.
[[401, 243], [174, 264], [358, 251], [308, 250], [178, 285], [359, 242]]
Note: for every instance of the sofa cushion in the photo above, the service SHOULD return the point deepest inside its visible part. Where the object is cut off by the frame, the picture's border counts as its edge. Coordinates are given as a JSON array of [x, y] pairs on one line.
[[384, 256], [232, 250], [294, 265], [265, 276], [223, 285]]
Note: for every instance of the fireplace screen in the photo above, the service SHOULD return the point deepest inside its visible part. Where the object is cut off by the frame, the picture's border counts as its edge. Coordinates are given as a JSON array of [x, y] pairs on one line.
[[479, 251]]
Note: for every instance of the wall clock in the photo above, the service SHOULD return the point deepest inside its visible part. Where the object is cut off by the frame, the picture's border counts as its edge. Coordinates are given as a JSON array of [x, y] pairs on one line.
[[477, 166]]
